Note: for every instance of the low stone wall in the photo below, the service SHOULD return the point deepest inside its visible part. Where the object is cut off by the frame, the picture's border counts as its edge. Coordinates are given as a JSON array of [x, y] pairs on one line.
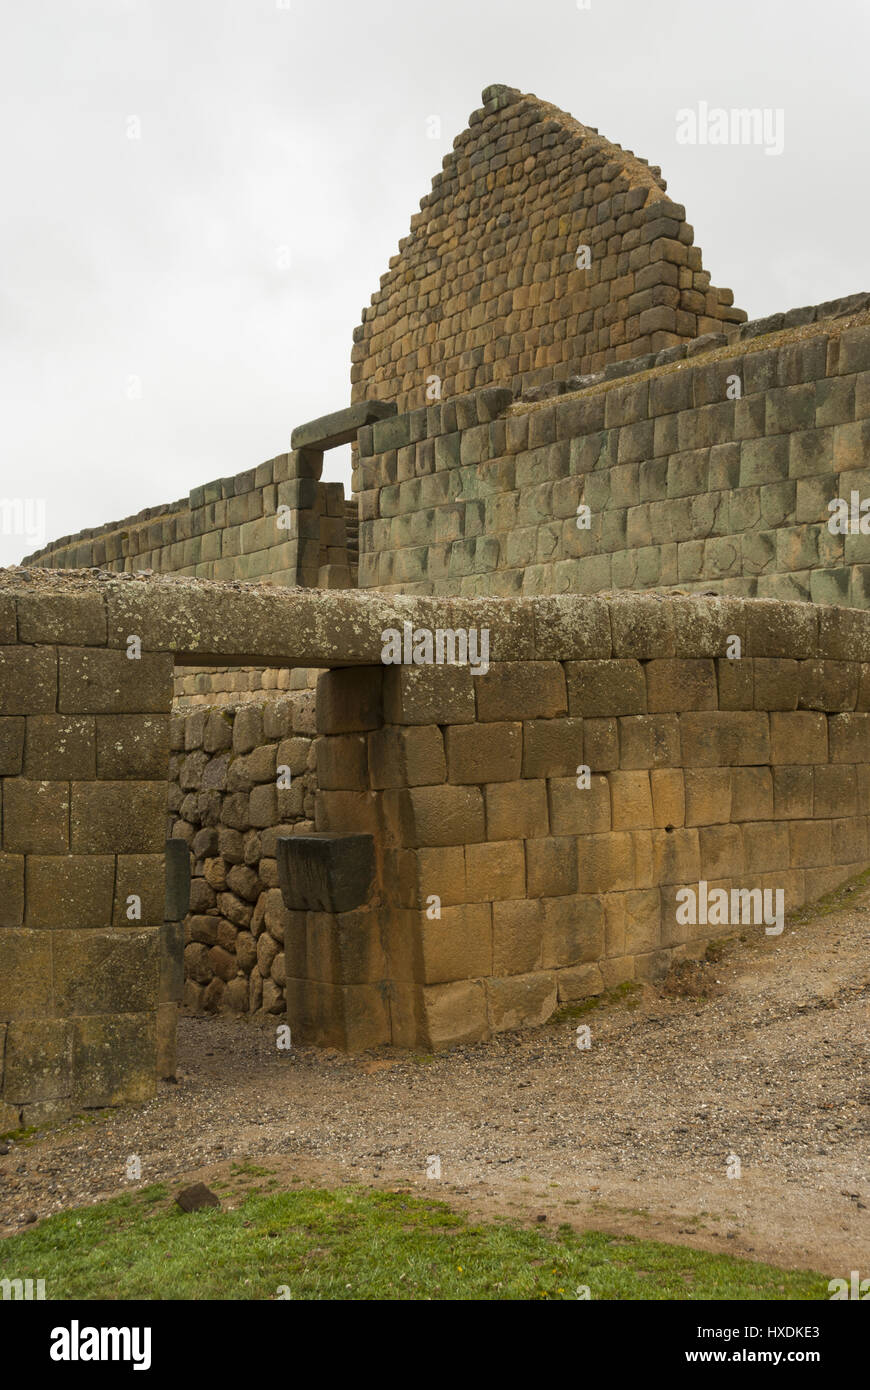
[[229, 803], [232, 528], [233, 685], [507, 883], [90, 967], [482, 846]]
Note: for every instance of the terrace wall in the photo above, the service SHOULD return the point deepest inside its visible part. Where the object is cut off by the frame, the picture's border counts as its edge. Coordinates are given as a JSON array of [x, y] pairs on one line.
[[709, 468]]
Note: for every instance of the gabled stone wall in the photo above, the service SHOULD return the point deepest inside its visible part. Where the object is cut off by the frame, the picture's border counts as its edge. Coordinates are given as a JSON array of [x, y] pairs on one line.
[[486, 288]]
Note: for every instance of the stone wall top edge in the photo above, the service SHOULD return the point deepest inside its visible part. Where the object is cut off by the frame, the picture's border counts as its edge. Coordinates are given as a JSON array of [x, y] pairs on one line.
[[776, 330], [208, 622], [251, 479]]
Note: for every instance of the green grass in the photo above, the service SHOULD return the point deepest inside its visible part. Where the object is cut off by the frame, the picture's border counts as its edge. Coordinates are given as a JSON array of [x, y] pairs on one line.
[[842, 899], [627, 993], [359, 1244]]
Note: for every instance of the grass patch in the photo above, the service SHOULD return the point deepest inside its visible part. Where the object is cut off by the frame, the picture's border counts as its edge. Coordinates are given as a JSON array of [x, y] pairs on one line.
[[840, 900], [627, 993], [361, 1244]]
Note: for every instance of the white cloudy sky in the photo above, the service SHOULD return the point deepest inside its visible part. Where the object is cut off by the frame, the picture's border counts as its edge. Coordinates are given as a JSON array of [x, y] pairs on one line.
[[297, 131]]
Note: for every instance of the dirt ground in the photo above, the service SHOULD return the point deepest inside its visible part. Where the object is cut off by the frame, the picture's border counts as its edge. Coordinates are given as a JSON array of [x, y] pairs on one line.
[[768, 1064]]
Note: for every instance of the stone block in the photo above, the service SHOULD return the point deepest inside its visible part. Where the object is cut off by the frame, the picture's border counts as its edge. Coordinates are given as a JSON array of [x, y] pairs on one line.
[[12, 747], [110, 972], [647, 741], [36, 816], [765, 846], [454, 1013], [349, 700], [809, 843], [433, 816], [484, 752], [11, 890], [438, 871], [117, 818], [604, 688], [459, 945], [829, 685], [552, 747], [643, 921], [573, 931], [606, 862], [326, 872], [429, 695], [579, 982], [69, 890], [343, 948], [642, 627], [668, 790], [522, 690], [680, 684], [751, 793], [792, 792], [579, 810], [601, 744], [28, 680], [676, 856], [721, 848], [61, 746], [494, 870], [68, 619], [94, 681], [631, 800], [343, 761], [551, 866], [708, 796], [114, 1059], [38, 1061], [26, 978], [798, 736], [177, 879], [132, 746], [516, 810], [849, 738], [725, 738], [835, 793], [775, 683], [520, 1001]]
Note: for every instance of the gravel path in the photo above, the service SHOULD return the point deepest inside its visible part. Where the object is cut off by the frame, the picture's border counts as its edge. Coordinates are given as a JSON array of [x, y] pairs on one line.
[[632, 1134]]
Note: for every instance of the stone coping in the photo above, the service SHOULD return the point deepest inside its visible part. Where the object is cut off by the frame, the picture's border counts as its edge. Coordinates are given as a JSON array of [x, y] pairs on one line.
[[205, 622]]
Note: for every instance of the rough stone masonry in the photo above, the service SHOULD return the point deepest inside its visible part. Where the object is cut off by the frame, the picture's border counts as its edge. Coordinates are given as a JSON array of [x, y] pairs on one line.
[[563, 436]]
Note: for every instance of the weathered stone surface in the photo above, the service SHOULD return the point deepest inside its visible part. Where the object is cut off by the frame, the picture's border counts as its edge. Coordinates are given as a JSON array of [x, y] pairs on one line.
[[326, 872], [177, 881], [341, 427]]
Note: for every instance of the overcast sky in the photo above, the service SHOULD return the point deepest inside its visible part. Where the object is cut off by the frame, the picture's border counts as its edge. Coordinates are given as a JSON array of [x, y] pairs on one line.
[[172, 305]]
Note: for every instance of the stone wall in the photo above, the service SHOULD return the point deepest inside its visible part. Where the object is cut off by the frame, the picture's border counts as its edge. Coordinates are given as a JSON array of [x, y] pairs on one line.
[[705, 468], [232, 528], [229, 804], [751, 772], [486, 288], [89, 967], [481, 847], [196, 688]]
